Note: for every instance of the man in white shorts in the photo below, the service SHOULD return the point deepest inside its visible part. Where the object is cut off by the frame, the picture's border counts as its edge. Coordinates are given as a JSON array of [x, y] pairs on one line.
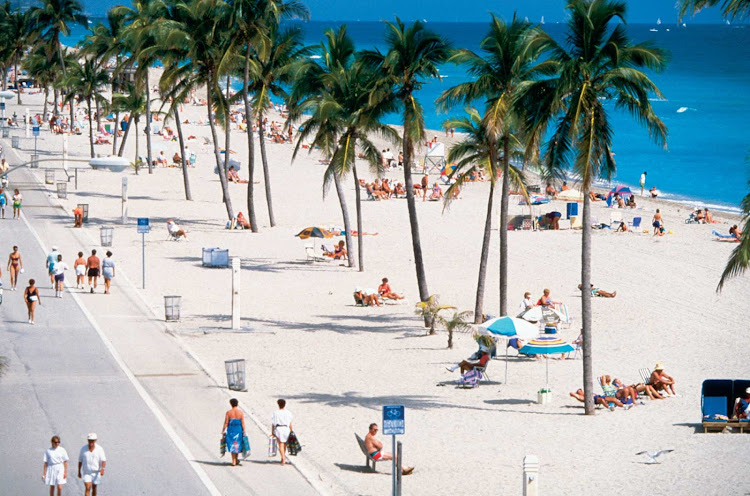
[[91, 463]]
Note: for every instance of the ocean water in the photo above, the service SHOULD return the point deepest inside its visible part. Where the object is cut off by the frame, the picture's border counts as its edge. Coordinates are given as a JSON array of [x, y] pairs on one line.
[[706, 108]]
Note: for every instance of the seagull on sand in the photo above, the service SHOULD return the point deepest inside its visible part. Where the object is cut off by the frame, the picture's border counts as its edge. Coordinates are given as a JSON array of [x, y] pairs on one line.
[[653, 457]]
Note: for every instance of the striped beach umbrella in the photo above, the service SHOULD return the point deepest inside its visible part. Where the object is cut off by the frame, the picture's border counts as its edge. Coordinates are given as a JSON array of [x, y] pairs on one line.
[[509, 327], [314, 232], [546, 345]]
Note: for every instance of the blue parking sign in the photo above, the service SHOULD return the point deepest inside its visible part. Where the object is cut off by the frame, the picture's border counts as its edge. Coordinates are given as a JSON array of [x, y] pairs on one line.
[[393, 420], [35, 130]]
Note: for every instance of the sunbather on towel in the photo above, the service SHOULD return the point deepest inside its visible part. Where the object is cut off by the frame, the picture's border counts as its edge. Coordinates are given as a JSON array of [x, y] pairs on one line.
[[470, 364], [598, 399], [734, 231], [368, 297], [437, 193], [742, 408], [624, 393], [384, 290], [600, 292], [661, 381]]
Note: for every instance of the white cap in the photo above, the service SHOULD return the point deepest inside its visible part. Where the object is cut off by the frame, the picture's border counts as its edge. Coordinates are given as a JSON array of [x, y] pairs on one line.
[[54, 248], [91, 436], [357, 289], [747, 390]]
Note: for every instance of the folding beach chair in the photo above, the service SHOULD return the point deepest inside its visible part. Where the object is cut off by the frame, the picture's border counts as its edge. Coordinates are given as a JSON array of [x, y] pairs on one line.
[[615, 219], [636, 225]]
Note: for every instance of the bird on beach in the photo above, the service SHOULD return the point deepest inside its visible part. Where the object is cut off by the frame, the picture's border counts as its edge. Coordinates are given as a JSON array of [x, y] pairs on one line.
[[653, 457]]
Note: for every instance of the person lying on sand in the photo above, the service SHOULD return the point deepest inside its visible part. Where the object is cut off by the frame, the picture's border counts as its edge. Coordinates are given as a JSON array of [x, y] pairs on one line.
[[599, 400], [366, 297], [375, 449], [734, 231], [627, 395], [600, 292], [384, 290], [661, 381]]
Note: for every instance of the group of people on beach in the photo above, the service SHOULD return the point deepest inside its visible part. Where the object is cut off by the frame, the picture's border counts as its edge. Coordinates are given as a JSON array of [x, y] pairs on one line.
[[370, 297], [615, 393]]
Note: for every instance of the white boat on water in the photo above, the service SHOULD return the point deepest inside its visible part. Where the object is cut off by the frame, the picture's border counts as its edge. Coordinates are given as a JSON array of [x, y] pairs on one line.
[[542, 21]]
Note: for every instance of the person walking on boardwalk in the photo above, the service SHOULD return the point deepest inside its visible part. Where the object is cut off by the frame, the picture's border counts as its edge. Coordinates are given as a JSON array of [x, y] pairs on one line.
[[50, 264], [80, 268], [31, 297], [3, 202], [234, 430], [17, 201], [91, 463], [60, 268], [281, 426], [108, 271], [15, 266], [93, 265], [55, 472]]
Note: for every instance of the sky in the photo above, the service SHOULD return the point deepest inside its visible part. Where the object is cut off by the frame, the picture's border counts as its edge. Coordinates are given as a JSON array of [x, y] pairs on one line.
[[639, 11]]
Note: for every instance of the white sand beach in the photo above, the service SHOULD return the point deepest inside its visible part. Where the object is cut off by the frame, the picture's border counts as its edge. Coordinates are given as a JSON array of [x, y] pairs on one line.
[[303, 338]]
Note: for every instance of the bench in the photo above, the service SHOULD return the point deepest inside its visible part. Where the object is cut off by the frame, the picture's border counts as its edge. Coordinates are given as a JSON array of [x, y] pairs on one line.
[[368, 458]]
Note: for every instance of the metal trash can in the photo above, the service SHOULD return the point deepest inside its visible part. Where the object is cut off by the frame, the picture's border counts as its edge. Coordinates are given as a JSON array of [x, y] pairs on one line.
[[85, 207], [215, 257], [15, 141], [49, 176], [235, 374], [35, 161], [172, 305], [105, 236], [6, 132], [62, 190]]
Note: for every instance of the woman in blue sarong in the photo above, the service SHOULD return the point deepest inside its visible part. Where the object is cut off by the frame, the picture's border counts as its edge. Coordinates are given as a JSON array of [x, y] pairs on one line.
[[234, 429]]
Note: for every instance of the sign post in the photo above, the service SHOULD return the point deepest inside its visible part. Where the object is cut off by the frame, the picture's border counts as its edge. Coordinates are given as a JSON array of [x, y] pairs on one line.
[[143, 228], [393, 425], [35, 131]]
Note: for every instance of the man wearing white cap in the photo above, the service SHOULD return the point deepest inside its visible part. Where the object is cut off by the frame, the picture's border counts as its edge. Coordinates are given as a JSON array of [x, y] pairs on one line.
[[742, 408], [661, 381], [51, 261], [91, 463]]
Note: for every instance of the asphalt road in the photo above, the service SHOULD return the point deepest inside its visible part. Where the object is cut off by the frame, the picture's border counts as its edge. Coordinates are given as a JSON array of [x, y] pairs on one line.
[[62, 380]]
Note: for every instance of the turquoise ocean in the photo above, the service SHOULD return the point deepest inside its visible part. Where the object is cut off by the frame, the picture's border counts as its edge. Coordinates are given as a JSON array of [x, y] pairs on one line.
[[706, 107]]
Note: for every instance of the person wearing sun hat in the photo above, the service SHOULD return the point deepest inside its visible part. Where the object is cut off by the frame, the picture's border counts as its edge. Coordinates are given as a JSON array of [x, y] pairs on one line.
[[742, 407], [661, 381], [91, 463]]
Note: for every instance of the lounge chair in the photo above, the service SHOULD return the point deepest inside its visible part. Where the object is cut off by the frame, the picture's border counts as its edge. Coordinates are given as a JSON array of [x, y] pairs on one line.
[[615, 219], [368, 458], [635, 226], [715, 404], [312, 257]]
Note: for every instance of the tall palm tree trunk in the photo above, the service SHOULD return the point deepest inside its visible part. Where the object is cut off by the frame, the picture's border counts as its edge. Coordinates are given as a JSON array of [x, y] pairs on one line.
[[504, 200], [72, 112], [54, 104], [18, 84], [360, 238], [479, 302], [46, 96], [345, 215], [91, 128], [250, 145], [98, 116], [416, 243], [219, 163], [148, 124], [135, 129], [588, 372], [185, 178], [125, 134], [266, 173], [116, 130]]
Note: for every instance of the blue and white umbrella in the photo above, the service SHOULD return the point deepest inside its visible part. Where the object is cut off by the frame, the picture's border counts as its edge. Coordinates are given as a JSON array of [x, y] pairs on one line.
[[509, 327], [546, 345]]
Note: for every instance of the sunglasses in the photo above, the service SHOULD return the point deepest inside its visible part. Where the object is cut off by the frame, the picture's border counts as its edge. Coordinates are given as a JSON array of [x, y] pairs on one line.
[[55, 442]]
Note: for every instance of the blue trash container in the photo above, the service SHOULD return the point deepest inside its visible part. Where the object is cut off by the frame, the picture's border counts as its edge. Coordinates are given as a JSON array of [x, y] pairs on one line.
[[572, 210]]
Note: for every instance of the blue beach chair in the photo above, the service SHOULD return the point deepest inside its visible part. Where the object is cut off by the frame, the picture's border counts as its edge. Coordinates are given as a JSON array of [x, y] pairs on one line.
[[716, 396]]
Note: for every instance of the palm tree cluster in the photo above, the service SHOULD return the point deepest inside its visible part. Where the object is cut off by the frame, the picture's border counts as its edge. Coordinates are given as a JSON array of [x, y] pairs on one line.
[[530, 98]]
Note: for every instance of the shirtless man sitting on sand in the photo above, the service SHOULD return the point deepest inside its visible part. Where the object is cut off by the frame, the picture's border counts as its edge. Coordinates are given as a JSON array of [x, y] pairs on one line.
[[375, 449], [661, 381]]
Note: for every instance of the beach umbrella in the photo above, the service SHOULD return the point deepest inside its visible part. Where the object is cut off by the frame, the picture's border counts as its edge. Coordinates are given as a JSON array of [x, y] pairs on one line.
[[546, 345], [509, 327], [570, 195], [314, 232], [533, 314], [623, 191]]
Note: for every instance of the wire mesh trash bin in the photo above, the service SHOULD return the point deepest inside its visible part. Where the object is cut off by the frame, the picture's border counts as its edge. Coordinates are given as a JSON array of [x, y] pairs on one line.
[[35, 161], [49, 176], [6, 132], [15, 141], [85, 208], [62, 190], [215, 257], [172, 306], [235, 374], [105, 236]]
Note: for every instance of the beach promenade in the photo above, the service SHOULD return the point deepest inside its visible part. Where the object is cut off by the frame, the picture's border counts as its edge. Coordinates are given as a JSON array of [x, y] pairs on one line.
[[337, 364]]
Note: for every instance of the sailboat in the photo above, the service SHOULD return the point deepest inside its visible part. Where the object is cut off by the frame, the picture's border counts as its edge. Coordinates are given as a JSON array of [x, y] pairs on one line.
[[658, 22], [542, 21]]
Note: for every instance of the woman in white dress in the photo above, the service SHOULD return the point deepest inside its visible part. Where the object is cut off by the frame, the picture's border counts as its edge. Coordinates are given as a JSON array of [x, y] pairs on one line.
[[281, 426], [55, 467]]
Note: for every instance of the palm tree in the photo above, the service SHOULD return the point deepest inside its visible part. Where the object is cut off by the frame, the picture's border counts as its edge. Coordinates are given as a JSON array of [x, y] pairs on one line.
[[730, 9], [85, 81], [597, 69], [16, 33], [429, 309], [412, 55], [43, 69], [458, 322], [133, 102], [54, 18], [511, 51], [270, 69], [251, 19], [481, 149], [193, 32]]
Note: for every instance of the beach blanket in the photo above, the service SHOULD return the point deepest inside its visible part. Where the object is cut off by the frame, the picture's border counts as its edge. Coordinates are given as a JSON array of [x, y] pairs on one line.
[[535, 200]]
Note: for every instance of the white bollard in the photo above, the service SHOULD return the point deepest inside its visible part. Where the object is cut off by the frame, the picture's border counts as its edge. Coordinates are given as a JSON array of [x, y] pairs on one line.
[[236, 264], [28, 124], [124, 218], [530, 475]]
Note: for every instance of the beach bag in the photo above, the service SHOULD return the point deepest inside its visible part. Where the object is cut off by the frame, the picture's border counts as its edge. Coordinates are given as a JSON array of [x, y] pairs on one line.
[[273, 447], [223, 444], [470, 378], [245, 447], [292, 444]]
